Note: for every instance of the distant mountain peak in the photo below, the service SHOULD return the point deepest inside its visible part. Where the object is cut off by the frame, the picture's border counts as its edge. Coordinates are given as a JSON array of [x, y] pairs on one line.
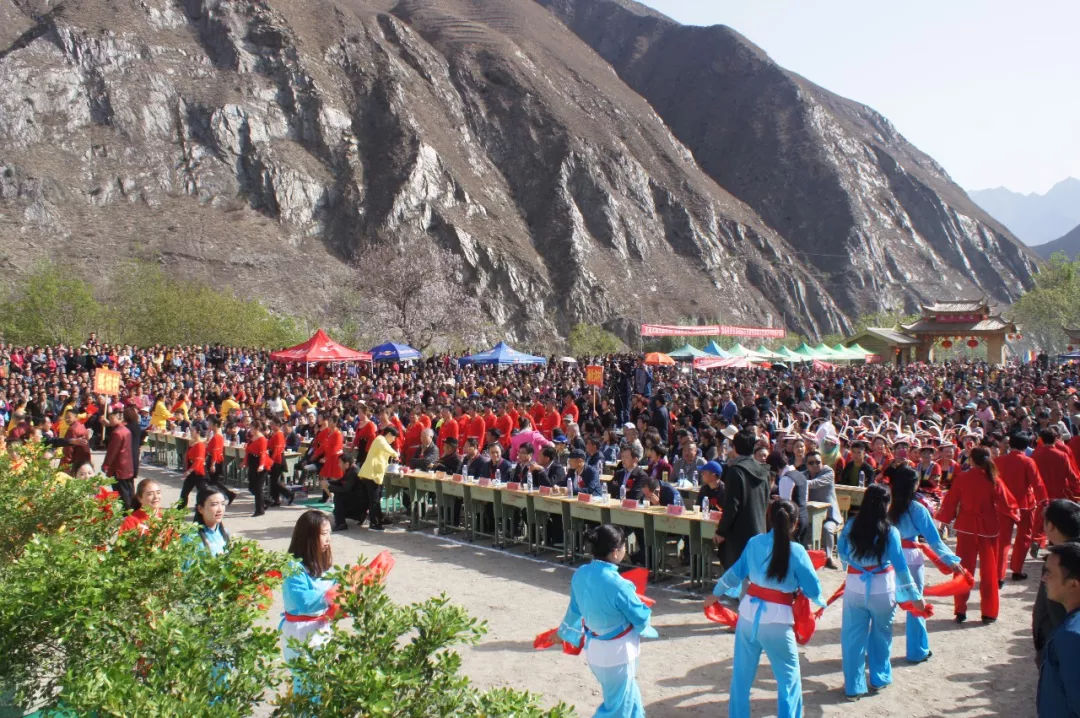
[[1035, 218]]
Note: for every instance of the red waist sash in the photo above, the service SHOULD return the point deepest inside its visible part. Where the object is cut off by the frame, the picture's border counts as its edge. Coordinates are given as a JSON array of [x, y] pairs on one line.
[[295, 618], [597, 636], [770, 595]]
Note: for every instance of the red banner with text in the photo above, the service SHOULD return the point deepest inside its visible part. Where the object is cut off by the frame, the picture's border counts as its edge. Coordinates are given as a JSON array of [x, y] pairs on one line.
[[712, 330]]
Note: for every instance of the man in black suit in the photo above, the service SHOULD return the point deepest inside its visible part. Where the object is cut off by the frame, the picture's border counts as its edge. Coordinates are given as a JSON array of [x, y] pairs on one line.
[[348, 498], [629, 459], [583, 476], [475, 463], [500, 468], [449, 462], [555, 472], [526, 468]]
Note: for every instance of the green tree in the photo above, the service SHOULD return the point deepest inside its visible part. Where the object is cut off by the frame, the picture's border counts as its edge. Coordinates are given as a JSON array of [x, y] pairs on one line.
[[1052, 304], [49, 306], [150, 307], [98, 624], [592, 340], [387, 659]]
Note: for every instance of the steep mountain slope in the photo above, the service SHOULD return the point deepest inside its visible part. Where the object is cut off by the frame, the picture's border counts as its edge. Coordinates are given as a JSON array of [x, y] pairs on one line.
[[1035, 218], [1069, 244], [263, 144], [877, 219]]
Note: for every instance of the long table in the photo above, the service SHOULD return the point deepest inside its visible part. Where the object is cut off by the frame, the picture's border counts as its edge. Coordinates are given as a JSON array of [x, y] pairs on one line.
[[653, 524]]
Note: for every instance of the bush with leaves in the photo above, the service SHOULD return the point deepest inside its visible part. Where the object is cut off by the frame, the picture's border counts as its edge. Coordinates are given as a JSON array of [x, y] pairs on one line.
[[591, 340], [385, 659], [137, 624]]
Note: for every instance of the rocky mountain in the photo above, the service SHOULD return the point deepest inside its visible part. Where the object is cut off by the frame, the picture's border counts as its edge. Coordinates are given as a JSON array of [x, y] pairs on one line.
[[879, 221], [262, 144], [1069, 244], [1034, 218]]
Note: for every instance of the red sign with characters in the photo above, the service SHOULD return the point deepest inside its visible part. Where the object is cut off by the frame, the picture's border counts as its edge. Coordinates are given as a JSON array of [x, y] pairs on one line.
[[107, 382], [594, 375]]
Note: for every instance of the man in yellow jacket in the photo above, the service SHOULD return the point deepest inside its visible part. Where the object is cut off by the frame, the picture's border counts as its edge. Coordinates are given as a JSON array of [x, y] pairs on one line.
[[371, 475]]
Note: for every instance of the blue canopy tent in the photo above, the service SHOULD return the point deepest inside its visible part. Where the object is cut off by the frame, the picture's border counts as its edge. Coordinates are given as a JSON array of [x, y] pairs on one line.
[[393, 352], [714, 348], [502, 354]]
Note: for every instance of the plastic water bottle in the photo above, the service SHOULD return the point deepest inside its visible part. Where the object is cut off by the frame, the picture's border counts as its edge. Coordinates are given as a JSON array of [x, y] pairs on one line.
[[705, 508], [528, 481], [569, 486], [622, 492]]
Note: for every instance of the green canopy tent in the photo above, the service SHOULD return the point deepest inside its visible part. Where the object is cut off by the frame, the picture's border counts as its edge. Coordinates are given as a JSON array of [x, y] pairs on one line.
[[765, 352], [827, 353], [806, 351], [687, 353], [850, 352], [790, 356]]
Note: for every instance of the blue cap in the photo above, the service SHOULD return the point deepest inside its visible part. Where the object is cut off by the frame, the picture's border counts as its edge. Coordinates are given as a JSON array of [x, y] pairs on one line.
[[713, 466]]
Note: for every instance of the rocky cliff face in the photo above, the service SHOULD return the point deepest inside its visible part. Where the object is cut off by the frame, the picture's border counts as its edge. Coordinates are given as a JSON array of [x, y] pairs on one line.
[[877, 220], [261, 144]]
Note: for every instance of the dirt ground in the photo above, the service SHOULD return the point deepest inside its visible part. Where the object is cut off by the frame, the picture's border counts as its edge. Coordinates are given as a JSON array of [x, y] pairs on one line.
[[976, 670]]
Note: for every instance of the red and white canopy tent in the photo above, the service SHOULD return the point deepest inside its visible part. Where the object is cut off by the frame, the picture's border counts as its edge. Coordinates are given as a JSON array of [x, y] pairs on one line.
[[320, 348]]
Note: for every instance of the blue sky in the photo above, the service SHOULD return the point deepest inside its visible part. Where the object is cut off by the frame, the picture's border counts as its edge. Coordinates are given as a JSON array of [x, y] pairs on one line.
[[989, 88]]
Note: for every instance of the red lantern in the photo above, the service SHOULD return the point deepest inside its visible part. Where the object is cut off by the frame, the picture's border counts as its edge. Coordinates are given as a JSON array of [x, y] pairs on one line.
[[973, 343], [947, 343]]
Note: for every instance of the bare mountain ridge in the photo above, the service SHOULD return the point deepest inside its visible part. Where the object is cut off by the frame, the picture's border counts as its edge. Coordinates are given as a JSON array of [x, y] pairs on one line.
[[877, 219], [261, 144], [1068, 243]]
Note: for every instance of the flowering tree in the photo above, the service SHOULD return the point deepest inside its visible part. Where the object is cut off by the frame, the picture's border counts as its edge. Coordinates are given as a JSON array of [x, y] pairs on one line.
[[412, 289]]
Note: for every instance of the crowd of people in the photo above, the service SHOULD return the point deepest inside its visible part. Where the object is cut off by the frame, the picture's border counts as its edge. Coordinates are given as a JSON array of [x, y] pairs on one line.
[[986, 453]]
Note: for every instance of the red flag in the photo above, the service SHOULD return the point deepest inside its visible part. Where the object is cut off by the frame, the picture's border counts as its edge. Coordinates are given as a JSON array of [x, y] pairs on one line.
[[817, 557], [572, 650], [959, 583], [549, 638], [546, 639], [719, 613], [640, 578], [925, 613], [805, 620]]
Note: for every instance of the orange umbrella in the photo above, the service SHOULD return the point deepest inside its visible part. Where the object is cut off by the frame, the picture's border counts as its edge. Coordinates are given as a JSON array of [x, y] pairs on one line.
[[656, 359]]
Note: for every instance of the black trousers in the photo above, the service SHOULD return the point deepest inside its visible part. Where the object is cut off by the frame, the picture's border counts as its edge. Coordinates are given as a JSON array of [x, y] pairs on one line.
[[277, 483], [371, 506], [191, 481], [216, 479], [256, 479], [126, 489]]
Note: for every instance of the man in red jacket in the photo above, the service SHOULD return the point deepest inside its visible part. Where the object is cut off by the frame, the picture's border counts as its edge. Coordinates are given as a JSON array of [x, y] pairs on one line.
[[117, 463], [448, 428], [1059, 475], [477, 425], [1021, 476]]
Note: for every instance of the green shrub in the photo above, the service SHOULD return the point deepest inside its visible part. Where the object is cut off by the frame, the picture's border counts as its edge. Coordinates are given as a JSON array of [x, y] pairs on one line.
[[95, 624], [591, 340], [391, 660]]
